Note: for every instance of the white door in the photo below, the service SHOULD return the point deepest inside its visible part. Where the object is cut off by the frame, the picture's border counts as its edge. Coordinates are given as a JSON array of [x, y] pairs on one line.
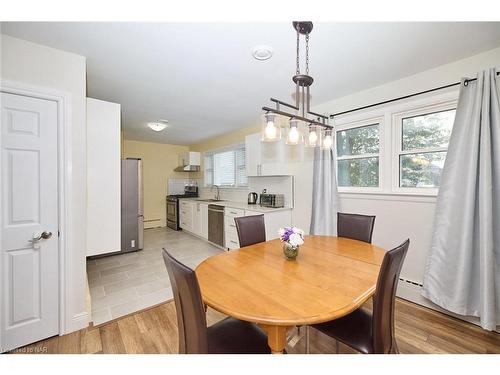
[[29, 221]]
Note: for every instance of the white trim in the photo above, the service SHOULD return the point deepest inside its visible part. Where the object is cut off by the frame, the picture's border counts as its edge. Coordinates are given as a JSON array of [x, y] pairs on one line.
[[346, 125], [396, 128], [63, 100], [388, 145]]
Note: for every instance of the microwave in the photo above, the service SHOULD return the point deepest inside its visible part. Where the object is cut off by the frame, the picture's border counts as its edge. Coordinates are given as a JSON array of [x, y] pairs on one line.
[[272, 200]]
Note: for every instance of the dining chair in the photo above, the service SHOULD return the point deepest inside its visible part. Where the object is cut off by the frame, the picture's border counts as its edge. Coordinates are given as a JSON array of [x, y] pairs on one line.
[[355, 226], [372, 333], [229, 336], [251, 229]]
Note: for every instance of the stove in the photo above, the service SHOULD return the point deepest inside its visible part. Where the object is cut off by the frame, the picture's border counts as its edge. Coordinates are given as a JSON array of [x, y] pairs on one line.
[[190, 191]]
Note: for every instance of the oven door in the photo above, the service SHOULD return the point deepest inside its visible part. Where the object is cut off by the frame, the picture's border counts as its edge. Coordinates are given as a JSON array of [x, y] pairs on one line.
[[172, 218]]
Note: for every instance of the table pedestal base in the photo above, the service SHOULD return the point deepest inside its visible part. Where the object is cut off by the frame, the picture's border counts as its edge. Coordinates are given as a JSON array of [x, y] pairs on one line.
[[276, 337]]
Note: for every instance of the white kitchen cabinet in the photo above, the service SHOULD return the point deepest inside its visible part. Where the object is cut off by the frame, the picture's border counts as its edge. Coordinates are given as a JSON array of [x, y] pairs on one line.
[[265, 158], [193, 217], [103, 177], [200, 219], [204, 220], [186, 213], [274, 221], [253, 154], [230, 232]]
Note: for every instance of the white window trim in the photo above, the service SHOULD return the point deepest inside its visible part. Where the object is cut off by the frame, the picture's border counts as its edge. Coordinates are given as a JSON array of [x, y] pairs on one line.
[[359, 124], [222, 149], [388, 145], [397, 124]]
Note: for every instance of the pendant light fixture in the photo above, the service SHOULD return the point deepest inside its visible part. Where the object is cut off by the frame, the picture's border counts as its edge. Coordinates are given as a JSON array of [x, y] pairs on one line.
[[313, 136], [271, 131], [294, 134], [327, 143], [317, 129]]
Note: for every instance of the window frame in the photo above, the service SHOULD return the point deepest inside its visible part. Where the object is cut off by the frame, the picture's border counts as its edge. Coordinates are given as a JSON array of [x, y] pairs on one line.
[[397, 144], [211, 153], [353, 124]]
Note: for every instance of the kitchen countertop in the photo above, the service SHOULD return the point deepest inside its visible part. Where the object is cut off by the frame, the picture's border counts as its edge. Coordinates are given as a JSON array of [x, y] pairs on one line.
[[240, 205]]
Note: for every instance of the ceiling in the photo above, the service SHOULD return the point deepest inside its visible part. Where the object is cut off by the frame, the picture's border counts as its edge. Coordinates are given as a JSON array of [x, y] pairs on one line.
[[204, 80]]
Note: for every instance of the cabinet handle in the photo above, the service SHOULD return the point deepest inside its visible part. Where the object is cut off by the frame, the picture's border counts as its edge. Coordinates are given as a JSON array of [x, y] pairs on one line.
[[236, 243], [231, 225]]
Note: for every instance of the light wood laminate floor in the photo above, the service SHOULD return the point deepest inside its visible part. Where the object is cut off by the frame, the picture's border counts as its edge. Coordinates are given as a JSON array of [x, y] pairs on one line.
[[418, 330]]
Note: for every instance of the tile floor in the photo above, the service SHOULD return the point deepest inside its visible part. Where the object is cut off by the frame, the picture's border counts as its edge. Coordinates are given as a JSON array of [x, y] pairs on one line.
[[125, 283]]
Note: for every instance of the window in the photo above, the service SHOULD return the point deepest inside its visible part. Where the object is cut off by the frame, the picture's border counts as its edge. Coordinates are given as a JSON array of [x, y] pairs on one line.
[[358, 155], [422, 142], [226, 168]]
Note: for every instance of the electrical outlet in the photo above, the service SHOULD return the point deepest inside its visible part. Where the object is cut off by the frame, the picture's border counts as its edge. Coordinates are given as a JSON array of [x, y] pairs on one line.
[[132, 243]]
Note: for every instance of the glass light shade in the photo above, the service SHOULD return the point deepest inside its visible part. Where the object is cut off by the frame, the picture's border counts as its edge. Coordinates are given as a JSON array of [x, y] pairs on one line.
[[271, 131], [327, 142], [294, 135], [312, 136], [157, 126]]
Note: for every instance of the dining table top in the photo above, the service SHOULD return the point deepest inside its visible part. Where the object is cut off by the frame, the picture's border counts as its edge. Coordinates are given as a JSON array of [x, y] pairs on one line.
[[331, 277]]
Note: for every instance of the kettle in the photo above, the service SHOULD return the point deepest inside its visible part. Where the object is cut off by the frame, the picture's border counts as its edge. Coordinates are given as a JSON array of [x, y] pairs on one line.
[[252, 198]]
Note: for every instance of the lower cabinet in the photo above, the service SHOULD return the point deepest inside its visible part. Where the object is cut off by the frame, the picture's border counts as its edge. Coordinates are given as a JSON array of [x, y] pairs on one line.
[[186, 211], [193, 218], [273, 221]]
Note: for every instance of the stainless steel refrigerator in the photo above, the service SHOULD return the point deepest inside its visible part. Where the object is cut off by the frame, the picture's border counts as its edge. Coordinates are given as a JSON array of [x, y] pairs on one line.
[[132, 205]]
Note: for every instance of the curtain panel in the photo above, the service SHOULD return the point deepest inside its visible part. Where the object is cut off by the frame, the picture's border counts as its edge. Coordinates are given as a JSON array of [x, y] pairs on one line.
[[462, 272]]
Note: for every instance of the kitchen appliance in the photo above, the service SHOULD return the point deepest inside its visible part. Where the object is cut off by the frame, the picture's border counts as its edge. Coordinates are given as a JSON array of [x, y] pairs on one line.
[[190, 191], [216, 224], [272, 200], [132, 214], [252, 198], [189, 162]]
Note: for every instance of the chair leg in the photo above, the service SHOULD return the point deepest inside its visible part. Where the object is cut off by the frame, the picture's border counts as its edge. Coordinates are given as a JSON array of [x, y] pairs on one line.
[[394, 348], [337, 347], [307, 340]]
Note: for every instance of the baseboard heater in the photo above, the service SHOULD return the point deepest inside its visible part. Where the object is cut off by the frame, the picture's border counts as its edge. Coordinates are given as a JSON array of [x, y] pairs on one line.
[[152, 223], [411, 282]]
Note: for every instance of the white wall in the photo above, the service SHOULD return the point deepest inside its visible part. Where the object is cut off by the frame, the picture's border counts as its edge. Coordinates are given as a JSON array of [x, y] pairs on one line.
[[39, 66], [103, 177], [399, 217]]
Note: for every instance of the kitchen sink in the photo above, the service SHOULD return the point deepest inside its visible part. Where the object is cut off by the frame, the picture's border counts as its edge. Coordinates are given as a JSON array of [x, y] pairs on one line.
[[210, 200]]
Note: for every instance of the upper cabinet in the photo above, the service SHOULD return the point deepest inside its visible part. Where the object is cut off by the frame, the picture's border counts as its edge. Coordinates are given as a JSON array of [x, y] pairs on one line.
[[272, 158], [103, 177], [189, 162]]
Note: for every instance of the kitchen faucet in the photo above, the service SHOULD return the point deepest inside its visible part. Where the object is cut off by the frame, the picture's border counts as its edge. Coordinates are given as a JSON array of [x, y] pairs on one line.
[[217, 196]]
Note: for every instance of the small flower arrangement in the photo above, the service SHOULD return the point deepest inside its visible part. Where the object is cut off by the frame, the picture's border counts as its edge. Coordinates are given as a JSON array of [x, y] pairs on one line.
[[292, 238]]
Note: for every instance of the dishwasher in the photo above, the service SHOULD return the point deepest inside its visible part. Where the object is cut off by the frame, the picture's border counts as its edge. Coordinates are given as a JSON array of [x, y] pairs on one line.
[[216, 224]]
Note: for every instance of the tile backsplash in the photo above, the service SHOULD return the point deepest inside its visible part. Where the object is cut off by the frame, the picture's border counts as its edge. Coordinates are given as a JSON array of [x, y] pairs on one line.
[[272, 184]]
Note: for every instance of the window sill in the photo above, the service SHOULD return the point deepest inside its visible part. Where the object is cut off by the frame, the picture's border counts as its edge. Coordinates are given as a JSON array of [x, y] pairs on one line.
[[389, 196]]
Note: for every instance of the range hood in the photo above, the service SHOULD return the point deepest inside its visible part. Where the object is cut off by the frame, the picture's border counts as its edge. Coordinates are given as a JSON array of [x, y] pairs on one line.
[[189, 162]]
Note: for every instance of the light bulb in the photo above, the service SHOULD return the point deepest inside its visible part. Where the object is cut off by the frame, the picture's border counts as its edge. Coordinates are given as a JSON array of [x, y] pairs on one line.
[[270, 130], [313, 137], [293, 135], [327, 141]]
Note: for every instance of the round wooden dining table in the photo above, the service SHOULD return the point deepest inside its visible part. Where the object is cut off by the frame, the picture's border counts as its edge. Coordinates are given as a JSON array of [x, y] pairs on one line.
[[330, 277]]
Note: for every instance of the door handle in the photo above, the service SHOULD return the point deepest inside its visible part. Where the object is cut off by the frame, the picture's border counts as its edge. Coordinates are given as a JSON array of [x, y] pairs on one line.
[[42, 236]]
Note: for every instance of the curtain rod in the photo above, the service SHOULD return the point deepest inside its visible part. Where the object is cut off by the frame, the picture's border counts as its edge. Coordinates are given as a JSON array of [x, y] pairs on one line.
[[404, 97]]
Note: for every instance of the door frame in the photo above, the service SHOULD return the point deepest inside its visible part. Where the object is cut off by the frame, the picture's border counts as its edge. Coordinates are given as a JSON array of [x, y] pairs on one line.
[[65, 183]]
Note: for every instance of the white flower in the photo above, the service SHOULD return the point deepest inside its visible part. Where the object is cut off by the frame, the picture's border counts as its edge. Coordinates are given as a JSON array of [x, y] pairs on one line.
[[298, 230], [281, 232], [295, 239]]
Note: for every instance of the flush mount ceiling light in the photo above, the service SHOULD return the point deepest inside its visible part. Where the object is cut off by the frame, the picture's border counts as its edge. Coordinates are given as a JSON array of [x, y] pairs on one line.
[[262, 52], [158, 126], [316, 124]]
